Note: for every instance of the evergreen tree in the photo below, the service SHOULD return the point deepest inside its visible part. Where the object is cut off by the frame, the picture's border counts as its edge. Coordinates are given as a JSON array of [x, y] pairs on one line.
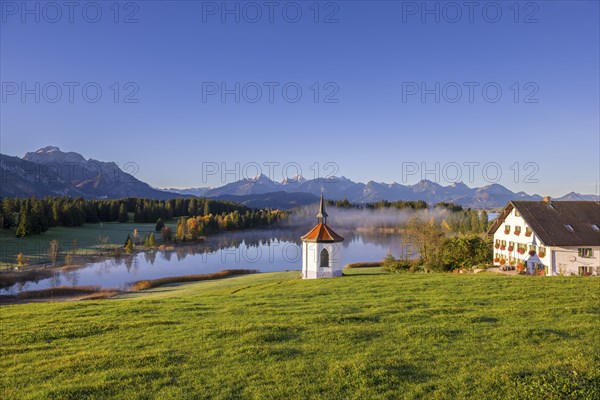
[[192, 208], [151, 240], [23, 228], [123, 215], [483, 221], [128, 245], [206, 210], [474, 216], [55, 219], [181, 229], [8, 220]]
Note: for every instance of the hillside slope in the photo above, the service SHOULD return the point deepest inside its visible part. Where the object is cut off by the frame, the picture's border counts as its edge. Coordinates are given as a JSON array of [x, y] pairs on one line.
[[275, 336]]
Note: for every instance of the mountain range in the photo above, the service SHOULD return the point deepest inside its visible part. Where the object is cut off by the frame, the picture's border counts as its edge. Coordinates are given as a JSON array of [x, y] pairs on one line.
[[52, 172]]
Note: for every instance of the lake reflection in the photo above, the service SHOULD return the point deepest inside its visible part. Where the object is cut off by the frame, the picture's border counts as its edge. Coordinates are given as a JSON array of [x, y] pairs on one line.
[[264, 250]]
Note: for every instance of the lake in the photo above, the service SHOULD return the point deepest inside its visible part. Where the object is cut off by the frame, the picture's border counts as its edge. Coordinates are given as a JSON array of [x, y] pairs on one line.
[[264, 250]]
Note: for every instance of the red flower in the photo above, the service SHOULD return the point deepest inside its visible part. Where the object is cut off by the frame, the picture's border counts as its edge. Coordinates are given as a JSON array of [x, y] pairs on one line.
[[497, 246], [517, 233], [528, 234], [521, 251], [532, 253], [502, 262], [502, 247], [510, 248]]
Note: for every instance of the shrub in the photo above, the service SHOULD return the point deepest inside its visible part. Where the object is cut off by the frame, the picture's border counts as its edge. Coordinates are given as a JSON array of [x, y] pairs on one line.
[[68, 259], [21, 260], [465, 252], [374, 264], [392, 264], [166, 234]]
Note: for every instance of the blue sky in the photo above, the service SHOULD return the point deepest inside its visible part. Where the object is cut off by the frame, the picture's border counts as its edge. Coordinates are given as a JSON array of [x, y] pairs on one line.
[[366, 115]]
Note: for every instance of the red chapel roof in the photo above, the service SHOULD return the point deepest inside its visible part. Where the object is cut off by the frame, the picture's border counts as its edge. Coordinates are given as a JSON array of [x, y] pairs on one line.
[[322, 233]]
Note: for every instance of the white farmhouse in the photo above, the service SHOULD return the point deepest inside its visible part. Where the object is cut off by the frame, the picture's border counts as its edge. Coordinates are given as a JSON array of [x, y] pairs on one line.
[[549, 237], [321, 249]]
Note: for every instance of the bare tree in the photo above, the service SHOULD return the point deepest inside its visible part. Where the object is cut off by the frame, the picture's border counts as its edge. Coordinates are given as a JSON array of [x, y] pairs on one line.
[[53, 250]]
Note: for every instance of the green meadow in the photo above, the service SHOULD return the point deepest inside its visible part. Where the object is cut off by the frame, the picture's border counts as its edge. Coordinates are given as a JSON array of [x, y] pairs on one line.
[[35, 247], [367, 335]]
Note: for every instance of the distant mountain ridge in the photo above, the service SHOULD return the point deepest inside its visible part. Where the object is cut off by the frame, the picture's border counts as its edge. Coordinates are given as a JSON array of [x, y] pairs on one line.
[[339, 188], [52, 172]]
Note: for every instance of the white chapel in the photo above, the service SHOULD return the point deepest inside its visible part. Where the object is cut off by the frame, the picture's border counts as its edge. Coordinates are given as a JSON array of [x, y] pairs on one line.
[[321, 249]]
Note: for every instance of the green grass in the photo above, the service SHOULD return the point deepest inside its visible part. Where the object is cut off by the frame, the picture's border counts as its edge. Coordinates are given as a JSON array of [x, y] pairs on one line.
[[273, 336], [35, 247]]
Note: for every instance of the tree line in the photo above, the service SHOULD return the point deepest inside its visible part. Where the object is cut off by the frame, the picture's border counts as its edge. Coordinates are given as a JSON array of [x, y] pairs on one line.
[[400, 204], [457, 219], [34, 215]]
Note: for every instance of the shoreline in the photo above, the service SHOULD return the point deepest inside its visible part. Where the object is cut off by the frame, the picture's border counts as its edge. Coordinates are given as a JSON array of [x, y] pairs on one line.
[[30, 272], [77, 293]]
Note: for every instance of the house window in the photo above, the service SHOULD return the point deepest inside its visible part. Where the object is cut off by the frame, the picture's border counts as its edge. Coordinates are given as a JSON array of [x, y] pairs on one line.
[[585, 271], [506, 228], [528, 231], [517, 213], [511, 244], [503, 243], [542, 252], [585, 252], [569, 228], [517, 230], [324, 258]]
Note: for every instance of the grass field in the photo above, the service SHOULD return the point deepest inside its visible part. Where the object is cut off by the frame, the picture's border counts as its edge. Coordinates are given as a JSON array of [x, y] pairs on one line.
[[35, 247], [271, 336]]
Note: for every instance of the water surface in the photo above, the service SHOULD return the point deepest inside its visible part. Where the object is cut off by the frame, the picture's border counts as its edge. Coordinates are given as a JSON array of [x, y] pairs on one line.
[[263, 250]]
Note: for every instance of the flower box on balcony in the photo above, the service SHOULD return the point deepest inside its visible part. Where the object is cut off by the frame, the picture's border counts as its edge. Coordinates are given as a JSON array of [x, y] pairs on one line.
[[510, 248], [520, 267], [528, 234], [497, 246], [496, 259], [521, 251], [502, 247], [532, 253], [517, 233], [542, 254], [502, 262], [506, 232]]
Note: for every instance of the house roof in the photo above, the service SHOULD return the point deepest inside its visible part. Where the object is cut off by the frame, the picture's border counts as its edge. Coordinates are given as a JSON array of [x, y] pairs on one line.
[[322, 233], [550, 220]]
